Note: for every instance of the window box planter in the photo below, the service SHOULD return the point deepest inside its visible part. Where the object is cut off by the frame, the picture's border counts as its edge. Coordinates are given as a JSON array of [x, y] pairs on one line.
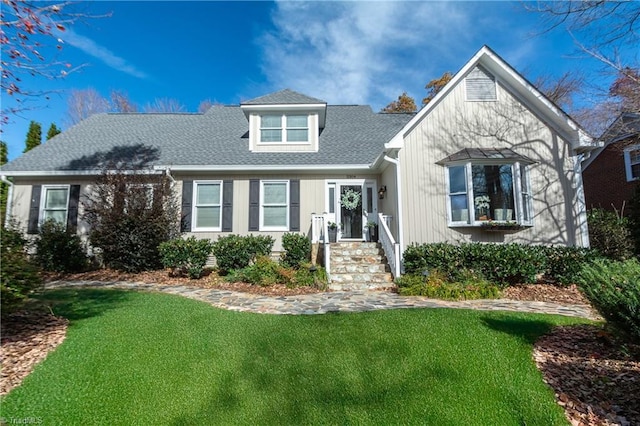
[[492, 226]]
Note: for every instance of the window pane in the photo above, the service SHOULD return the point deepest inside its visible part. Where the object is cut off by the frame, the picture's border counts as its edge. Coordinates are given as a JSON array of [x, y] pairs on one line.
[[635, 170], [207, 217], [296, 121], [459, 209], [275, 216], [297, 135], [208, 194], [56, 199], [457, 179], [332, 199], [271, 135], [271, 121], [635, 156], [526, 197], [57, 215], [275, 193], [493, 192], [369, 199]]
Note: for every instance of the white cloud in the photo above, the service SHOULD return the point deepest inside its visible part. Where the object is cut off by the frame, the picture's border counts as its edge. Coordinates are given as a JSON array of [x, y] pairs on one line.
[[366, 52], [100, 52]]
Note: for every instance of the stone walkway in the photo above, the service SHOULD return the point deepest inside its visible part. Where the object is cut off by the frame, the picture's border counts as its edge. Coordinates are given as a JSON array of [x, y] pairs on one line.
[[321, 303]]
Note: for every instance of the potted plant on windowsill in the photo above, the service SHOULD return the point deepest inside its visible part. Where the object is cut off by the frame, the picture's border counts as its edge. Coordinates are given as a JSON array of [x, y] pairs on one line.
[[333, 231], [492, 225], [372, 231]]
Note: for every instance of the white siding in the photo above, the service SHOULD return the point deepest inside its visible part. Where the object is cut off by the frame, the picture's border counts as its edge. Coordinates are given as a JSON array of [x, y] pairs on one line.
[[455, 124]]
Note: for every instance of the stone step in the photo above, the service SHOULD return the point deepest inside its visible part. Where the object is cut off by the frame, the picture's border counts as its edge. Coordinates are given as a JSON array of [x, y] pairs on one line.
[[361, 278], [359, 268], [360, 286], [356, 251], [337, 259]]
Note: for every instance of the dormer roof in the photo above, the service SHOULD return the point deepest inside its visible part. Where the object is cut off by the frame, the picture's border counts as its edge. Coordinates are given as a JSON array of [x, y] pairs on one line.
[[285, 96], [286, 101]]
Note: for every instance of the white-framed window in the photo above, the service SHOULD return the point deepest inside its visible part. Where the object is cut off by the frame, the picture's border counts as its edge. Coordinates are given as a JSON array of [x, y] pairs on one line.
[[274, 205], [480, 192], [632, 162], [292, 128], [207, 205], [54, 203], [480, 85]]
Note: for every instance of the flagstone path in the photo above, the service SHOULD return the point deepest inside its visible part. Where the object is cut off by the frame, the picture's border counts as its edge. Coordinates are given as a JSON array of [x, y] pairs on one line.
[[321, 303]]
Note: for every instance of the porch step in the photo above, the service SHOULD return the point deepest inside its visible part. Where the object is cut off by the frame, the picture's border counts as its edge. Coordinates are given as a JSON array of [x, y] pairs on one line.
[[359, 266]]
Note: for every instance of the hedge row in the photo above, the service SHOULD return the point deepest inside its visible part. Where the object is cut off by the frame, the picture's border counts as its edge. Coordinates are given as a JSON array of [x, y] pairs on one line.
[[500, 263]]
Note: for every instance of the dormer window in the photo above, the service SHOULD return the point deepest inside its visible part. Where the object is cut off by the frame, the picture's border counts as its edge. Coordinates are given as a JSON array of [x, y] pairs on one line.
[[284, 128], [285, 121]]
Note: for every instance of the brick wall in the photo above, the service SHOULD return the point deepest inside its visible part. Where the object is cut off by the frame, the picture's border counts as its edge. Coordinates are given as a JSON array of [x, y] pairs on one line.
[[605, 181]]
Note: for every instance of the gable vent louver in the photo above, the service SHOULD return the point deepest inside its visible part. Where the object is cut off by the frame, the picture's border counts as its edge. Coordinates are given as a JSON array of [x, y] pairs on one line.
[[480, 85]]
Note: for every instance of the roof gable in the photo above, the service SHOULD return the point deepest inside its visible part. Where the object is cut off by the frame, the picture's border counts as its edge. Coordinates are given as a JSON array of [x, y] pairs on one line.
[[513, 81]]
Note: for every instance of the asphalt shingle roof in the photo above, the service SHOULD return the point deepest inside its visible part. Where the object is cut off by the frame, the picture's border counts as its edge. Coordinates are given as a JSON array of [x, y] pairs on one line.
[[285, 96], [219, 137]]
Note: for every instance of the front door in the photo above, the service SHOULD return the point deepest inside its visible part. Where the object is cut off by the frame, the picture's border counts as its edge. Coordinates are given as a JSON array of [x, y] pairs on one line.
[[351, 204], [351, 212]]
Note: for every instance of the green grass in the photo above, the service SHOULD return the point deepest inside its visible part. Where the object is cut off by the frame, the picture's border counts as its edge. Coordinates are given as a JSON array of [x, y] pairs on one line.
[[140, 358]]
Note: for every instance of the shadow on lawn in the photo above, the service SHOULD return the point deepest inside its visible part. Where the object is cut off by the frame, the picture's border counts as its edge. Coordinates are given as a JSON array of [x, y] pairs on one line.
[[77, 304], [527, 330], [337, 381]]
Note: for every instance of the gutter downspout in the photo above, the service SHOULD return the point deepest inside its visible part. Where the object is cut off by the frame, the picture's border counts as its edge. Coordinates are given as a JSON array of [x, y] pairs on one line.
[[7, 217], [396, 162]]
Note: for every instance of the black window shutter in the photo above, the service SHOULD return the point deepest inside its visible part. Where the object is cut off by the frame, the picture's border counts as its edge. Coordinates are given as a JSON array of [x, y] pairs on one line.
[[227, 206], [187, 197], [34, 209], [294, 205], [72, 214], [254, 205]]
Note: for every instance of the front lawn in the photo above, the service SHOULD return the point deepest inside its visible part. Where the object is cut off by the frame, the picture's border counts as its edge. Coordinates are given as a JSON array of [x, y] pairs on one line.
[[141, 358]]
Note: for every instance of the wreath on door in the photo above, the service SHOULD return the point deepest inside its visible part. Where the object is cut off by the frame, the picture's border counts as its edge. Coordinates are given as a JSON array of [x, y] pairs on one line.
[[350, 199]]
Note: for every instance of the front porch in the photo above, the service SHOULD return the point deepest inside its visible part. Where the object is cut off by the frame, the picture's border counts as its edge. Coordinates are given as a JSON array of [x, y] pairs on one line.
[[353, 263]]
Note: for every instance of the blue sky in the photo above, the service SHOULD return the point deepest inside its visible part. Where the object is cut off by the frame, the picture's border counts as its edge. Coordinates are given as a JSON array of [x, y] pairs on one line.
[[342, 52]]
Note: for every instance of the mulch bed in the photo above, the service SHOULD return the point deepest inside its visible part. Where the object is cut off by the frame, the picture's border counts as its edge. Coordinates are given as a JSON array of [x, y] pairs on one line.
[[595, 377]]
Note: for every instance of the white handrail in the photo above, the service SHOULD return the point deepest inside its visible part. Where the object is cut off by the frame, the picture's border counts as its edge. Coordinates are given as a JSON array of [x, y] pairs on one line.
[[320, 234], [389, 245]]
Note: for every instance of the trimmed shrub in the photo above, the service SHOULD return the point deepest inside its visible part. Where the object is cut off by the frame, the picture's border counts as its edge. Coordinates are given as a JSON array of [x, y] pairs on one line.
[[613, 288], [499, 263], [609, 234], [563, 264], [297, 249], [19, 276], [235, 252], [186, 256], [59, 250], [446, 258], [436, 285]]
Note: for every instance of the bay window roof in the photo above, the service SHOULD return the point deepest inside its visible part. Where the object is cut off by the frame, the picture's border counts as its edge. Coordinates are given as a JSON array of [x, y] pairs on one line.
[[486, 154]]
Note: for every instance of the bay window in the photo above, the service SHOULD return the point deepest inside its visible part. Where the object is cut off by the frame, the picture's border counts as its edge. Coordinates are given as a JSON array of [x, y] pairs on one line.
[[479, 192]]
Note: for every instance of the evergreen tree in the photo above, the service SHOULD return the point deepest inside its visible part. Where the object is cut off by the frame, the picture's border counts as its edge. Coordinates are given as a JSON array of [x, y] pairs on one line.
[[53, 130], [34, 136]]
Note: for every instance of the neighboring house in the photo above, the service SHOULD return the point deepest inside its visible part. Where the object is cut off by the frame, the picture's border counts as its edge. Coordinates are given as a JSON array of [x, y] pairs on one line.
[[488, 147], [612, 173]]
